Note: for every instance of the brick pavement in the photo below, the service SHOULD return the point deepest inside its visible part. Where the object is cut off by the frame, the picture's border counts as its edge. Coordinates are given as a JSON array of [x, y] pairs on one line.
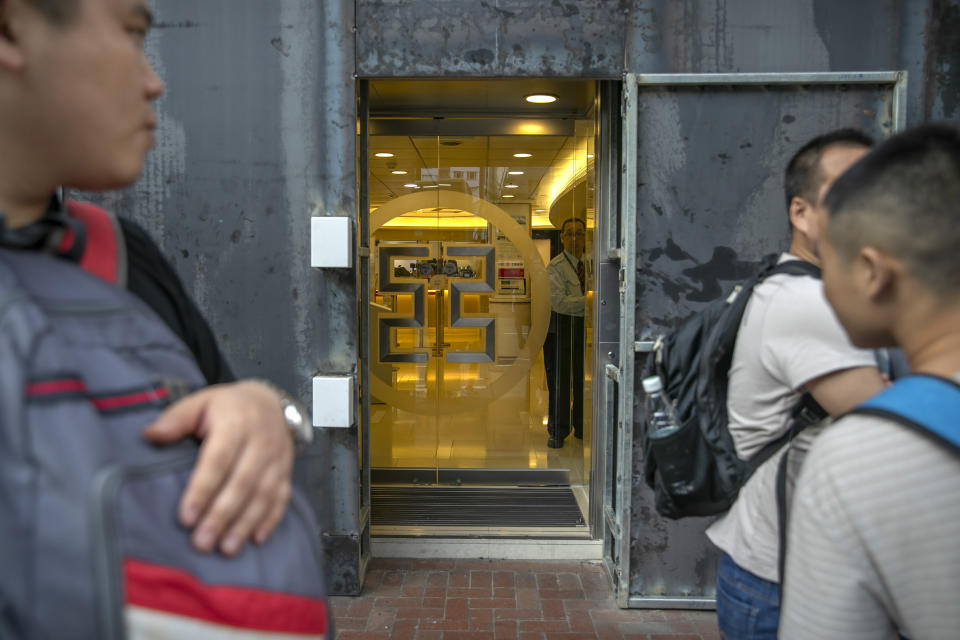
[[409, 599]]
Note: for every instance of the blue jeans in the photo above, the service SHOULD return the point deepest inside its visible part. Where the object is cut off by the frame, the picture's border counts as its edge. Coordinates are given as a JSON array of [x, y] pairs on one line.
[[748, 607]]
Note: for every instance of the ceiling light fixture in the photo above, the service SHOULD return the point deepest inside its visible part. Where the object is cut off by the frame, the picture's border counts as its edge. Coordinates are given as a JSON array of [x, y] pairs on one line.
[[540, 98], [507, 195], [515, 173], [511, 186], [411, 185], [522, 155], [589, 155], [384, 154], [399, 172]]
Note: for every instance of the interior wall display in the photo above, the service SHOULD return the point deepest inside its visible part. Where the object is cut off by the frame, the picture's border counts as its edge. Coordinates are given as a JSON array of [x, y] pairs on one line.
[[512, 275]]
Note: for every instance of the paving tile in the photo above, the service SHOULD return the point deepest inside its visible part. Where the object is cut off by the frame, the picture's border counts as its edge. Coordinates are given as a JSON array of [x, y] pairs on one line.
[[493, 603], [362, 635], [544, 626], [481, 579], [405, 613], [553, 609], [505, 630], [458, 578], [404, 630], [381, 619], [504, 579], [456, 609], [469, 592]]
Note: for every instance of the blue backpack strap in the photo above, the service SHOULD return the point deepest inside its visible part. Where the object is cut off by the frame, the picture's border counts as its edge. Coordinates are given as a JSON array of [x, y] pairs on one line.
[[927, 403]]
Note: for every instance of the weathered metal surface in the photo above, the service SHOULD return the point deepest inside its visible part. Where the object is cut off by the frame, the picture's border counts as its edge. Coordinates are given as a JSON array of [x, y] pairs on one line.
[[710, 204], [942, 63], [717, 36], [492, 38]]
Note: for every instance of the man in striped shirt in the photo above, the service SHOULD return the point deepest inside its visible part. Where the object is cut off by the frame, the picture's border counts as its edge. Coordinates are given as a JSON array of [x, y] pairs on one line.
[[873, 548]]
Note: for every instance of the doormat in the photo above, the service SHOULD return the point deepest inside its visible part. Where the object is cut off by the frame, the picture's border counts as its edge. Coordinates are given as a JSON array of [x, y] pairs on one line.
[[474, 507]]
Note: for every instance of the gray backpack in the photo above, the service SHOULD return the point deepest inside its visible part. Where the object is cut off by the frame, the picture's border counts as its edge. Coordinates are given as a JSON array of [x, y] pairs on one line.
[[89, 542]]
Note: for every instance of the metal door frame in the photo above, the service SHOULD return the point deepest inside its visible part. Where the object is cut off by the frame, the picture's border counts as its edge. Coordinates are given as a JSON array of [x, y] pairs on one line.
[[618, 425]]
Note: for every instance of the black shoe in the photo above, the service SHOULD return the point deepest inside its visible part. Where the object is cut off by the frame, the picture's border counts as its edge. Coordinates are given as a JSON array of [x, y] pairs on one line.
[[555, 443]]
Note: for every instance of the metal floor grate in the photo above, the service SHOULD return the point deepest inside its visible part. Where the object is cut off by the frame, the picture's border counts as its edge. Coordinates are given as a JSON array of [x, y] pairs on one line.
[[474, 507]]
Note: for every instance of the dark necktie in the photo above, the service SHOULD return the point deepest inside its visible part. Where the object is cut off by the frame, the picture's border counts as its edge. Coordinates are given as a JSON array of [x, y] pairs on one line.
[[581, 276]]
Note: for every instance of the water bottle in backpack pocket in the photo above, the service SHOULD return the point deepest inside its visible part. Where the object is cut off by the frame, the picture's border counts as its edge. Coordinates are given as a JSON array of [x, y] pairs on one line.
[[674, 446]]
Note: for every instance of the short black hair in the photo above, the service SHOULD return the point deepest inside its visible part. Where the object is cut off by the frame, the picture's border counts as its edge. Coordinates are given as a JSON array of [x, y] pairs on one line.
[[902, 198], [569, 220], [804, 174], [59, 12]]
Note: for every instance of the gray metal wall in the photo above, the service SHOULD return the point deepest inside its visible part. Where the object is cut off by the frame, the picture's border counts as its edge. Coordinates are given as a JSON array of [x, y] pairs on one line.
[[258, 130], [710, 204]]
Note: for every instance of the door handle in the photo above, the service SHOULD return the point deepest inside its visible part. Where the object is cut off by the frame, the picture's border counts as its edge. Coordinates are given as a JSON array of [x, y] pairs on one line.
[[644, 346]]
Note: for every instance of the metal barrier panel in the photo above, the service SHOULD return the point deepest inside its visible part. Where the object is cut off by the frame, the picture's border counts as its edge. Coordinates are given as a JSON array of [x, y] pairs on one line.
[[711, 151]]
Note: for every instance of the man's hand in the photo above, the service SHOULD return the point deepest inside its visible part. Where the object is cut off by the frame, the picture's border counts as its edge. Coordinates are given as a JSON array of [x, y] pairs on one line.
[[241, 483]]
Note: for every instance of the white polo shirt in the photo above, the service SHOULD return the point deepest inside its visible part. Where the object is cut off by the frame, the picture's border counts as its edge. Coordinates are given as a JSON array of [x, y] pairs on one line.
[[789, 336]]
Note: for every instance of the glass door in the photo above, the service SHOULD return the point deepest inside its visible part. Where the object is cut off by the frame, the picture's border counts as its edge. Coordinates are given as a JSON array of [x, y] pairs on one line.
[[465, 219]]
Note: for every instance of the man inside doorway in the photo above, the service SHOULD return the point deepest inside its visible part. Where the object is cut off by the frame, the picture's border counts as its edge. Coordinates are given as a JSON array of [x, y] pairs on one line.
[[564, 346]]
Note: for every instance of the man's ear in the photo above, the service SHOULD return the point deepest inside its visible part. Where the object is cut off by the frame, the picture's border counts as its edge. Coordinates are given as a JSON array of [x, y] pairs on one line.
[[880, 272], [11, 54], [799, 214]]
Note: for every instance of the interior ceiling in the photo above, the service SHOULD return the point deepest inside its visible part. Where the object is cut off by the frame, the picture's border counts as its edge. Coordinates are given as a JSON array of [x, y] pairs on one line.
[[473, 128]]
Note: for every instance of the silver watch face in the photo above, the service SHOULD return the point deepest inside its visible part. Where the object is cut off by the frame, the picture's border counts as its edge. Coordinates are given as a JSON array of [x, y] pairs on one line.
[[293, 415], [298, 423]]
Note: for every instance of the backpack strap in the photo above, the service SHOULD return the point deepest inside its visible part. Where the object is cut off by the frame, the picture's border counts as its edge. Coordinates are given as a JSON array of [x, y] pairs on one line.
[[103, 251], [926, 403], [795, 268]]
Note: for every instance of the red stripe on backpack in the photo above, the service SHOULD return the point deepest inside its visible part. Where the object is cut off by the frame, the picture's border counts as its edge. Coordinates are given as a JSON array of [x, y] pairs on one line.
[[103, 253], [175, 591]]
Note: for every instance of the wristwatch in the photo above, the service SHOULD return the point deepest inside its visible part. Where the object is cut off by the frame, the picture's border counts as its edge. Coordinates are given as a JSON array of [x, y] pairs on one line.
[[296, 417]]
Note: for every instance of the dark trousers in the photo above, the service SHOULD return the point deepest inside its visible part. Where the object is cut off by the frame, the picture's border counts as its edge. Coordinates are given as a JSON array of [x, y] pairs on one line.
[[563, 362]]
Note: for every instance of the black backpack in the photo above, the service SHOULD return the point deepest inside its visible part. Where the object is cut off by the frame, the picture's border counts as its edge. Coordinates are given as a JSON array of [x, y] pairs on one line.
[[696, 471]]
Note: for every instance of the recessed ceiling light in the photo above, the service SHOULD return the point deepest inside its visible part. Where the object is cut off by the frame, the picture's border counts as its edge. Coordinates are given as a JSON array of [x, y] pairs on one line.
[[411, 185], [384, 154], [540, 98], [511, 186], [399, 172], [429, 186], [515, 173], [522, 155], [539, 210], [507, 195], [444, 184]]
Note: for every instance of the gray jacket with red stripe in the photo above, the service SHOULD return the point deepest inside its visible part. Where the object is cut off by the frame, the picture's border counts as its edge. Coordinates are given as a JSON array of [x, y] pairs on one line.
[[90, 546]]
